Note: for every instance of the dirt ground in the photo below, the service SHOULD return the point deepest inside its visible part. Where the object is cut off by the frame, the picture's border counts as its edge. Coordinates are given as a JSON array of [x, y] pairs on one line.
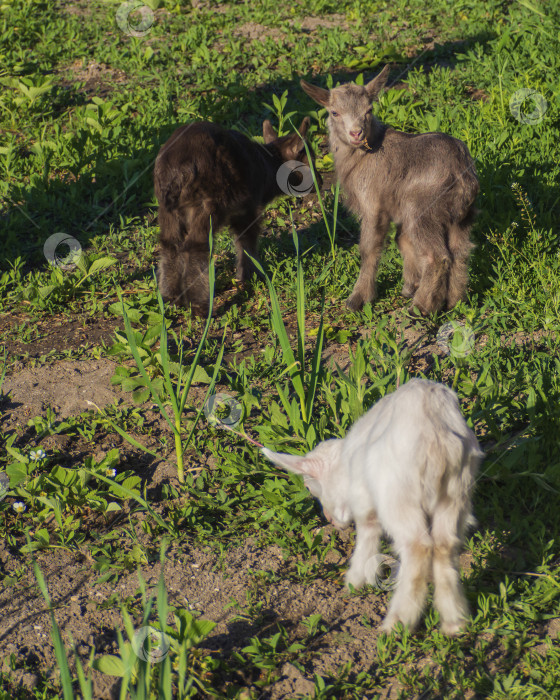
[[195, 578]]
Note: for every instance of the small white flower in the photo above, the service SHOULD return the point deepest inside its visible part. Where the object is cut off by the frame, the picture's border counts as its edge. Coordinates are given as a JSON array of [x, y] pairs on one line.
[[37, 455], [19, 507], [110, 472]]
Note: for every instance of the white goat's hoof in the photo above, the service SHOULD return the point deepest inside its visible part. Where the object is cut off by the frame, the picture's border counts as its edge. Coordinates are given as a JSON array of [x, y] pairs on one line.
[[355, 579], [452, 629]]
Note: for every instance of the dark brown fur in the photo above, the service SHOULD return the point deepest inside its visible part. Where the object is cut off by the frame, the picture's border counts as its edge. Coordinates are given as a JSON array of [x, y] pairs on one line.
[[425, 183], [206, 176]]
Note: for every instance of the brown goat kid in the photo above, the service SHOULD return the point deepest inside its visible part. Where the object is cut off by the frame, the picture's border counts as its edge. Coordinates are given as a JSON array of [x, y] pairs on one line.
[[206, 176], [425, 183]]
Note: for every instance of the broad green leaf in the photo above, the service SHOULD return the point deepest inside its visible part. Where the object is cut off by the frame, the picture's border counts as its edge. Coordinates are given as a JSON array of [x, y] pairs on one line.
[[101, 264], [110, 665]]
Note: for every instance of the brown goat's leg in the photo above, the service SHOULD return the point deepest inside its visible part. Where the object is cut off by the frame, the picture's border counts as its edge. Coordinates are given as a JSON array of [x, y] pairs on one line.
[[435, 260], [246, 231], [171, 265], [372, 237], [411, 271], [432, 292], [460, 247], [195, 253], [170, 273]]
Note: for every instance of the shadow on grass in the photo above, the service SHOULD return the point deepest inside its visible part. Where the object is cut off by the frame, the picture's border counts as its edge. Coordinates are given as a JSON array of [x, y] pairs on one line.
[[99, 190]]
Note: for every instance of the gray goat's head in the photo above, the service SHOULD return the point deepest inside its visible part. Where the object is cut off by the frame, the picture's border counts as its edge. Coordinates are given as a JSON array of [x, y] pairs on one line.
[[349, 106]]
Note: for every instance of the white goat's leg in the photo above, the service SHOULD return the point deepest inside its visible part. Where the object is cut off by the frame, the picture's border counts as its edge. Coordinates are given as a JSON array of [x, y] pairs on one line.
[[408, 600], [368, 532], [449, 598]]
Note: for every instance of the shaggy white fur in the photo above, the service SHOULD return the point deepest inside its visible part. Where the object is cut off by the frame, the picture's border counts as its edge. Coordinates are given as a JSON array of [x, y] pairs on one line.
[[407, 468]]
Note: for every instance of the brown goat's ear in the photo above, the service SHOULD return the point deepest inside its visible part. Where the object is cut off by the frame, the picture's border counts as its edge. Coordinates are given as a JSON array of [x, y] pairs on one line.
[[293, 147], [374, 87], [268, 132], [318, 94], [304, 126]]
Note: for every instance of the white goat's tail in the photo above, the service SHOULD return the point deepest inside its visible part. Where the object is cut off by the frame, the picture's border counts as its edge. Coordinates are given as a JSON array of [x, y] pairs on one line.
[[454, 455]]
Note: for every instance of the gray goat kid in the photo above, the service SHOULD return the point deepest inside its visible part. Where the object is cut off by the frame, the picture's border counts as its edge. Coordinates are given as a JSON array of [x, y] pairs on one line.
[[425, 183], [407, 467]]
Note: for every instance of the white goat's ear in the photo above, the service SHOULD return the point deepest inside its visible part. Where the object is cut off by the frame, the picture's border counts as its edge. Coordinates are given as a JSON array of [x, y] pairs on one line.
[[374, 87], [269, 134], [291, 463], [318, 94], [308, 467]]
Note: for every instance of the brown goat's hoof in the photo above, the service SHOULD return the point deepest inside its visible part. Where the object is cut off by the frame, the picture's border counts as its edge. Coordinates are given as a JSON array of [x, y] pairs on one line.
[[200, 310], [416, 312], [354, 302], [408, 291]]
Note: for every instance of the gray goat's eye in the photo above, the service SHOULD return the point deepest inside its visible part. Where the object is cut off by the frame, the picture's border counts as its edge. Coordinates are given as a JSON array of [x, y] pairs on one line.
[[335, 114]]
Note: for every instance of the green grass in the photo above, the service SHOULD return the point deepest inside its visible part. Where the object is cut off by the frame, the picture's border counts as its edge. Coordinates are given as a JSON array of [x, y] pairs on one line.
[[84, 108]]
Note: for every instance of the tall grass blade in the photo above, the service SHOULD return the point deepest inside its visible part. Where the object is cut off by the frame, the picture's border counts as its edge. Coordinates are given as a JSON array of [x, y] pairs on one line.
[[316, 368], [217, 367], [194, 364], [282, 335], [59, 650]]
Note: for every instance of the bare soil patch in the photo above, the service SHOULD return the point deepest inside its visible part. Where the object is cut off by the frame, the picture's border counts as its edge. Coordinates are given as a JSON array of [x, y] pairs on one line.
[[68, 387], [97, 78], [56, 334], [198, 580]]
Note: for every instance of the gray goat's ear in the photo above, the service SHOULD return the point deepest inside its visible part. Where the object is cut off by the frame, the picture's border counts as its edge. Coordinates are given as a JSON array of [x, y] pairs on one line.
[[374, 87], [269, 134], [318, 94]]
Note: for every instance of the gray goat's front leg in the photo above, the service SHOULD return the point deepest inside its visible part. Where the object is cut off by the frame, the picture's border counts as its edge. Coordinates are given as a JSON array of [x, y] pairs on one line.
[[372, 237]]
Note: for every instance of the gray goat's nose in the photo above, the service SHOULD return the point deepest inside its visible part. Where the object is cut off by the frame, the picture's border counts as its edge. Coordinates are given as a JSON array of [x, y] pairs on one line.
[[356, 134]]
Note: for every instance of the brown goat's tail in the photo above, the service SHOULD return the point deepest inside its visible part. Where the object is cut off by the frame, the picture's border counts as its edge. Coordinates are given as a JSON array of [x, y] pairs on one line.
[[169, 183]]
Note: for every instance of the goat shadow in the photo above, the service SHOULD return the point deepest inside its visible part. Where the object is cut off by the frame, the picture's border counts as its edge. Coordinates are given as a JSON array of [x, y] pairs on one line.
[[87, 203]]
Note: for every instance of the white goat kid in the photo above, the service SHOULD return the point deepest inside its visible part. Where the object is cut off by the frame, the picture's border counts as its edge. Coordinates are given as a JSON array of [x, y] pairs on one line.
[[407, 467]]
